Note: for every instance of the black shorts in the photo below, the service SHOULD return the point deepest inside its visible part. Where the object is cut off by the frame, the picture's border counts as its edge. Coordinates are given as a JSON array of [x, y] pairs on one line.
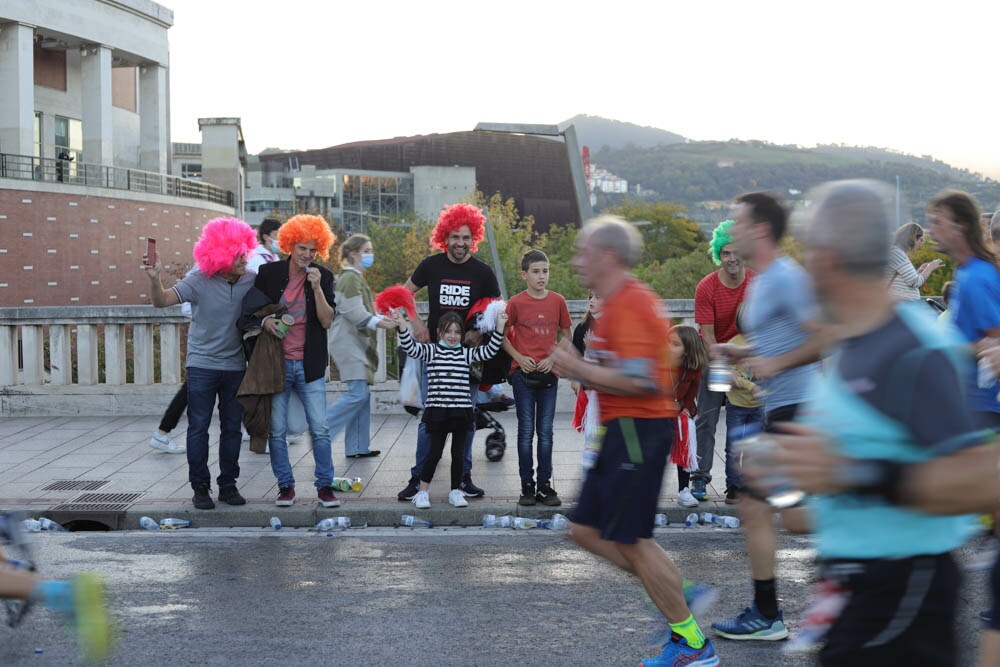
[[619, 494], [785, 413], [899, 612]]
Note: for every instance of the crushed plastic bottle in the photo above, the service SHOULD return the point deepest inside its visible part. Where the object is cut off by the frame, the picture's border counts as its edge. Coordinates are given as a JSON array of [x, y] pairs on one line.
[[341, 484], [661, 520], [524, 523], [174, 524], [332, 522], [275, 523], [726, 521], [356, 484], [33, 525], [50, 525], [148, 523], [691, 519], [415, 521], [494, 521], [557, 522]]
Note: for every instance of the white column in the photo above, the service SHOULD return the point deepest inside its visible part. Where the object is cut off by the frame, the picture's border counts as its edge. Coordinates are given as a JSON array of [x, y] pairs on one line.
[[98, 129], [17, 81], [60, 354], [8, 355], [86, 354], [114, 354], [170, 357], [153, 130], [33, 353], [142, 354]]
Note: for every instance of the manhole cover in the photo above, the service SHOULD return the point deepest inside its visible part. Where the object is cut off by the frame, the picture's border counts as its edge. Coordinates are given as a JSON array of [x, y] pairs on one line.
[[76, 485]]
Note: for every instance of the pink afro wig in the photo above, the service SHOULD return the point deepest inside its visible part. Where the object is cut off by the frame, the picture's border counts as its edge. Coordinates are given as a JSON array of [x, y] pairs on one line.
[[222, 241], [304, 228], [452, 218]]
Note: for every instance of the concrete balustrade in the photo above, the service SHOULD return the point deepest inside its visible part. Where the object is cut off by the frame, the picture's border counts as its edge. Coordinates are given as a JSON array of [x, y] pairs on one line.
[[38, 348]]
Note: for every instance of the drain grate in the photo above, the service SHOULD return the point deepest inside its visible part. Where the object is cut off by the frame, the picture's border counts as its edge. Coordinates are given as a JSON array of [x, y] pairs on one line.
[[98, 502], [76, 485]]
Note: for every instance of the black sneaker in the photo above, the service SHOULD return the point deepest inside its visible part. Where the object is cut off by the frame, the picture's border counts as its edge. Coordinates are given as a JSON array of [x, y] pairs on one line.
[[411, 489], [231, 496], [527, 494], [732, 496], [547, 495], [203, 497], [470, 489]]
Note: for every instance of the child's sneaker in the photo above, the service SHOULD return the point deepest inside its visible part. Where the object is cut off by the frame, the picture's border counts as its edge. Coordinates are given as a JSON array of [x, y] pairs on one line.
[[685, 499], [527, 494], [547, 495], [457, 498], [422, 500]]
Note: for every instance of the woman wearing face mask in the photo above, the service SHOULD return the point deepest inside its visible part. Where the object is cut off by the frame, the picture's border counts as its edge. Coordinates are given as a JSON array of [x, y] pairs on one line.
[[267, 248], [352, 345]]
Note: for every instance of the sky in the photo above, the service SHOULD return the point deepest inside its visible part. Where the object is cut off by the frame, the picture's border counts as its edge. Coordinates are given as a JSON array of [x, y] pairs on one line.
[[918, 77]]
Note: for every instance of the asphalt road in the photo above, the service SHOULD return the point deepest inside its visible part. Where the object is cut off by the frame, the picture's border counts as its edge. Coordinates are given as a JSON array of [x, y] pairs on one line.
[[385, 596]]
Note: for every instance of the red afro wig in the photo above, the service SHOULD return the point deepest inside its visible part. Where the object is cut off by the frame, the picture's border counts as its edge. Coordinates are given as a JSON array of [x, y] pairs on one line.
[[304, 228], [222, 241], [452, 218]]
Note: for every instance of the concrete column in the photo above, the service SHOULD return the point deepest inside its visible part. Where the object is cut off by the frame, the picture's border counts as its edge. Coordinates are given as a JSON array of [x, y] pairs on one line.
[[153, 126], [17, 81], [98, 129]]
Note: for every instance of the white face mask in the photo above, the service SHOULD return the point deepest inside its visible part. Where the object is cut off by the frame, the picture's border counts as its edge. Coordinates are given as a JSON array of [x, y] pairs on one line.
[[272, 245]]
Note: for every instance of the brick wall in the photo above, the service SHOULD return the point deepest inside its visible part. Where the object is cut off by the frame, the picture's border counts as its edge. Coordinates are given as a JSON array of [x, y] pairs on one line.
[[61, 248]]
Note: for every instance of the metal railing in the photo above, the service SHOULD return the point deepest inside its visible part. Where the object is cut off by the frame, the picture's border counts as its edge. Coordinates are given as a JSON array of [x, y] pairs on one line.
[[49, 170]]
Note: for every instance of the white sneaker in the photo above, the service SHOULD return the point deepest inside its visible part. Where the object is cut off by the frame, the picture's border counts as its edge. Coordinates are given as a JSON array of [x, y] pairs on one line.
[[457, 498], [165, 443], [422, 500], [685, 499], [246, 436]]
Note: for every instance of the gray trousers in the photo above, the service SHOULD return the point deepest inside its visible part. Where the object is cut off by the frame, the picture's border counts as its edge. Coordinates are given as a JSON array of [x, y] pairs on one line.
[[709, 405]]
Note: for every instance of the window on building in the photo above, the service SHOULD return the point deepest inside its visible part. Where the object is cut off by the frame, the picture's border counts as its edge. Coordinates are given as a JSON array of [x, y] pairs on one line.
[[191, 170], [69, 136], [38, 134]]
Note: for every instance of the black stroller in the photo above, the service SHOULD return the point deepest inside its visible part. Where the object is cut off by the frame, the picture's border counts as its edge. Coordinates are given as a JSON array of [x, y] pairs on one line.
[[490, 372]]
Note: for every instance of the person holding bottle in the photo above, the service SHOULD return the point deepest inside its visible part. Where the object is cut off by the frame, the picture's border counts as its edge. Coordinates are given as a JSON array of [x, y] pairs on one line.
[[354, 348], [448, 408]]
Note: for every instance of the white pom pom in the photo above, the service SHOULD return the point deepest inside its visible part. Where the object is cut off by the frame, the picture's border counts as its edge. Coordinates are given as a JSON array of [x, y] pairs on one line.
[[488, 322]]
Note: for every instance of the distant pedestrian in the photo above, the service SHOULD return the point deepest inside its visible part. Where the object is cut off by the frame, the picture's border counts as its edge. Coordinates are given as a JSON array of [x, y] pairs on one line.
[[692, 360], [267, 249], [904, 281]]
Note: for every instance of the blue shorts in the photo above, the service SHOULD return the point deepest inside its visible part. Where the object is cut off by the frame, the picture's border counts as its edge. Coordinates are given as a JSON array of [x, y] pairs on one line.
[[619, 494]]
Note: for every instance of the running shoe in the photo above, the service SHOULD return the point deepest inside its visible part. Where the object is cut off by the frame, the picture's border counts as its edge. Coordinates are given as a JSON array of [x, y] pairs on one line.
[[165, 443], [685, 499], [422, 500], [751, 624], [457, 498], [698, 489], [677, 653]]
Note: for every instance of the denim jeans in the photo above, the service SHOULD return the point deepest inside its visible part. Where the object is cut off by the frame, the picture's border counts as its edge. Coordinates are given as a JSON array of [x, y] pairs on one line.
[[705, 423], [424, 438], [204, 386], [351, 413], [313, 397], [740, 423], [536, 410]]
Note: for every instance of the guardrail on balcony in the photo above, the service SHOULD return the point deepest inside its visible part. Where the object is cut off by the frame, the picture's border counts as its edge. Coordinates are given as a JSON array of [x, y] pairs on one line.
[[29, 168]]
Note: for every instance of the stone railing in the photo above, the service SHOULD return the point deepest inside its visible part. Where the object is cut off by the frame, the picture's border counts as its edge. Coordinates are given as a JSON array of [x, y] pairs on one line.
[[105, 360]]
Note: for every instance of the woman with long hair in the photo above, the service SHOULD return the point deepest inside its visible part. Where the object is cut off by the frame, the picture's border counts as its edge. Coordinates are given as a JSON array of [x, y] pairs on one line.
[[903, 280]]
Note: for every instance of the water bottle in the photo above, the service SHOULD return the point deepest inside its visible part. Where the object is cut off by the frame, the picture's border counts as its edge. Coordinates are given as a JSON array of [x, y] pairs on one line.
[[691, 520], [707, 518], [332, 522], [494, 521], [275, 523], [557, 522], [661, 520], [490, 521], [415, 521], [341, 484], [33, 525], [524, 523], [49, 524], [590, 457], [726, 521], [720, 375], [174, 524], [356, 484], [758, 450], [148, 523]]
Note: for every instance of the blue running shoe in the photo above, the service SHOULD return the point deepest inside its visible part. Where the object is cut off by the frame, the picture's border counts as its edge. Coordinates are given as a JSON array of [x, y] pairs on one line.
[[677, 653], [751, 624], [698, 489]]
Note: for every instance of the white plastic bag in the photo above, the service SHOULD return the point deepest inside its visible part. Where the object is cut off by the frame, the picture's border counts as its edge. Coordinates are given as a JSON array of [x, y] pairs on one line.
[[409, 385]]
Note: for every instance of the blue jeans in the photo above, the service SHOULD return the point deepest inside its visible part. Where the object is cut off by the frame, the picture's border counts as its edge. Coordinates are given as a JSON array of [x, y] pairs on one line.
[[204, 385], [313, 397], [352, 411], [536, 410], [424, 438], [740, 423]]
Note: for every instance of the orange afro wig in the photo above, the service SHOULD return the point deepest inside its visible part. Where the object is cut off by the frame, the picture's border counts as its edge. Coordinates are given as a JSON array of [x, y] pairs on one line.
[[452, 218], [304, 228], [222, 241]]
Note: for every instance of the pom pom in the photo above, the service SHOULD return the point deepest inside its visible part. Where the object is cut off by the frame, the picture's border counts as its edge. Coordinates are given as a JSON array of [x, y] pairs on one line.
[[483, 314], [222, 241], [395, 297], [455, 217]]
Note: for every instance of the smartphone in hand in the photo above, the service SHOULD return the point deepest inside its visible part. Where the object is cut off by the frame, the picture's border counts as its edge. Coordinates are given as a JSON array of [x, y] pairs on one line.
[[150, 258]]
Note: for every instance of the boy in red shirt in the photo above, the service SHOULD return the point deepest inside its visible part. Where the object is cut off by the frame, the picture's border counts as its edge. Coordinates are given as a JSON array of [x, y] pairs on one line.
[[535, 317]]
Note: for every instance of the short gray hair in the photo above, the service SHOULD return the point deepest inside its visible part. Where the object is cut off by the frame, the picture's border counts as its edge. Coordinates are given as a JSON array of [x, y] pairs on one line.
[[613, 232], [854, 219]]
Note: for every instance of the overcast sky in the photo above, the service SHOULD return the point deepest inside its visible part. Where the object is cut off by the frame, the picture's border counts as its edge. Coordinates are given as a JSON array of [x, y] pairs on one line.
[[313, 73]]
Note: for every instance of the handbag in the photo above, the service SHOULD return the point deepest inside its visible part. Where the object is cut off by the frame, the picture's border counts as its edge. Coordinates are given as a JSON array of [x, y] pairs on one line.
[[409, 387], [540, 379]]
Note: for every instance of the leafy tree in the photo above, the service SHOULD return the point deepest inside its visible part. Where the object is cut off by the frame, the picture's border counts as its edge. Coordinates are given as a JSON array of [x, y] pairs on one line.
[[400, 243], [934, 285], [558, 244], [669, 233], [512, 234], [677, 277]]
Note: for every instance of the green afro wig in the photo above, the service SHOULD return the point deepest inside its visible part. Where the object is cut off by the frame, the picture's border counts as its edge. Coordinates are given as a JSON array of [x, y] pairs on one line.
[[720, 238]]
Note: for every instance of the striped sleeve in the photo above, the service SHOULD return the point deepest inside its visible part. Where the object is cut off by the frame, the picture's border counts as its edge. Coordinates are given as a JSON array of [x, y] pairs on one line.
[[422, 351], [488, 351]]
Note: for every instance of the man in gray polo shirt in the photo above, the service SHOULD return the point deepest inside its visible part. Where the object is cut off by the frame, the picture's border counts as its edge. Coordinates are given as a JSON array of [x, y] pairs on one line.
[[215, 361]]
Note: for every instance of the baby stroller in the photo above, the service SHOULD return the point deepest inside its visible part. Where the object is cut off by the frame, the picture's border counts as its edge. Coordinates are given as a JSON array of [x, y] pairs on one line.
[[496, 442]]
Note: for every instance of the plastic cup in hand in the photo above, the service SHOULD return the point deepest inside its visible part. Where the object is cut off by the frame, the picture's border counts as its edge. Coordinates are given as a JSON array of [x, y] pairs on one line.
[[758, 451], [720, 376]]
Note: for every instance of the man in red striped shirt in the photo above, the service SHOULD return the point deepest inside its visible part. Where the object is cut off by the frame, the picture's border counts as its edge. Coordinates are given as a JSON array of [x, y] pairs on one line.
[[716, 300]]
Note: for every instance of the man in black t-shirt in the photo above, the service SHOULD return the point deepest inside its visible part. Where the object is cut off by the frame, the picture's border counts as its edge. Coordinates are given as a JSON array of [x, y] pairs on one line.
[[455, 280]]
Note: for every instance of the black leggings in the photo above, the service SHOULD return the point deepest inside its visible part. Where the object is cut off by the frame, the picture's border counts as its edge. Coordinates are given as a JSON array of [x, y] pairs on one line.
[[174, 411], [438, 434]]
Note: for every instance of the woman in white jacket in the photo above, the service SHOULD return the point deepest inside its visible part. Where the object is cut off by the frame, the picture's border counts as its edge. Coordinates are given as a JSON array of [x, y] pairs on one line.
[[353, 347], [903, 280]]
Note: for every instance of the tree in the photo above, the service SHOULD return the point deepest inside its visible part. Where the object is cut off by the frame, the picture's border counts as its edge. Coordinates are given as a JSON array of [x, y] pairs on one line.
[[559, 245], [513, 235], [400, 243], [669, 233], [677, 277]]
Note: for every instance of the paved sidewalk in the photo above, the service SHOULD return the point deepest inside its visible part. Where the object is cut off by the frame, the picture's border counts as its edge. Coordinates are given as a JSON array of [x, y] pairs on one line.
[[35, 452]]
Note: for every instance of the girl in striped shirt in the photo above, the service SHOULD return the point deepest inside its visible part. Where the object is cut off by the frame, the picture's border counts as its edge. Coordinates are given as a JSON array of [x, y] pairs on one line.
[[448, 408]]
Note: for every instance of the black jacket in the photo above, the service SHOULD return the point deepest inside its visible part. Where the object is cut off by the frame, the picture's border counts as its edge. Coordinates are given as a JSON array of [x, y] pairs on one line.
[[271, 280]]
